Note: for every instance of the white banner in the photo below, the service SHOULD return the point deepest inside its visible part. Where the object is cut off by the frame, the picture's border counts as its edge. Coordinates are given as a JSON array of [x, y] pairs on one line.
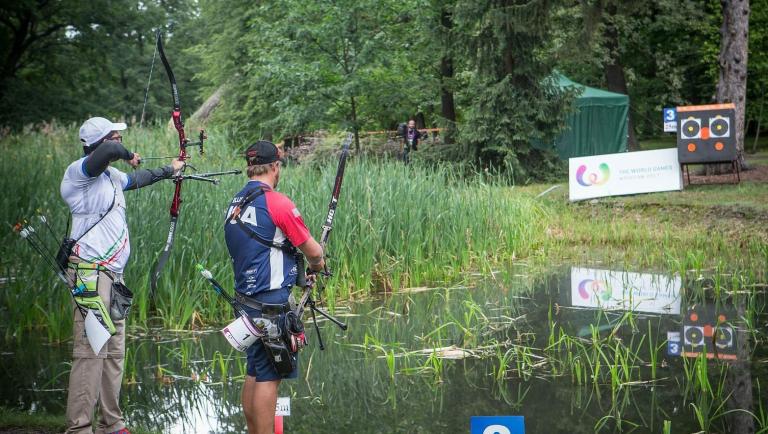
[[622, 290], [624, 173]]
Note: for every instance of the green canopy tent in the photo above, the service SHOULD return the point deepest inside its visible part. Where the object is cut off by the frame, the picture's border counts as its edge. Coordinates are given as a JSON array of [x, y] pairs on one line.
[[597, 126]]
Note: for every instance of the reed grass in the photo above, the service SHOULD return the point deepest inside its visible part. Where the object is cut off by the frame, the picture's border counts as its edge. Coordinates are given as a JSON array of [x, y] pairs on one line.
[[396, 226]]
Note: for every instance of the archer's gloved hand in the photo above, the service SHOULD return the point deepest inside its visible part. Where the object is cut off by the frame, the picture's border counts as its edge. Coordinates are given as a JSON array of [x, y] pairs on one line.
[[177, 166], [135, 161]]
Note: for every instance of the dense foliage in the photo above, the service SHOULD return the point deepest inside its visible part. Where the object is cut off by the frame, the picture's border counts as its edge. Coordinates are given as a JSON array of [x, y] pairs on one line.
[[67, 60], [479, 68]]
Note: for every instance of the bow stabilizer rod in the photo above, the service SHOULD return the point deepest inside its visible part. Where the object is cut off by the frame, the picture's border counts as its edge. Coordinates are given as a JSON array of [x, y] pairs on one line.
[[328, 224], [306, 296]]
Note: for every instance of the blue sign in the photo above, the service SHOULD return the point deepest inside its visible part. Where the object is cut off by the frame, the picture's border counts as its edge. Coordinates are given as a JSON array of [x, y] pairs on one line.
[[670, 119], [674, 346], [496, 425], [670, 114]]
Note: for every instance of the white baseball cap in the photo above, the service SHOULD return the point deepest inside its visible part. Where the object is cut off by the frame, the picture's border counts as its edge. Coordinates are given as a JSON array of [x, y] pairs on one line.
[[95, 129]]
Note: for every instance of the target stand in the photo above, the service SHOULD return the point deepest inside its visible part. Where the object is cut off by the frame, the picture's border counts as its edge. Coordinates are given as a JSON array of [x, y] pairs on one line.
[[706, 136], [734, 166]]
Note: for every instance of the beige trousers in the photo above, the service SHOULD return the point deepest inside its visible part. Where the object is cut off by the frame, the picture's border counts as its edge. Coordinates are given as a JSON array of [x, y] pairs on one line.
[[96, 378]]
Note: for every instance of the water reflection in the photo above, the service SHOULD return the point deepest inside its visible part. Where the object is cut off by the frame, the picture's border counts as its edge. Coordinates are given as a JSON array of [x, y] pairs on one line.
[[709, 331], [623, 290], [739, 383], [574, 351]]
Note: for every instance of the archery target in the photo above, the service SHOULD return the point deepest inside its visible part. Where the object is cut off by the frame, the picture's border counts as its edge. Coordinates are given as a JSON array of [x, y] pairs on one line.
[[705, 134], [708, 332], [694, 336], [724, 337], [690, 128], [719, 126]]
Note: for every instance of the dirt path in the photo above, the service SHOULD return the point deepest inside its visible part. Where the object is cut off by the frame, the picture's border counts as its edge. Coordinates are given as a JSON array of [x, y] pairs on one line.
[[757, 173]]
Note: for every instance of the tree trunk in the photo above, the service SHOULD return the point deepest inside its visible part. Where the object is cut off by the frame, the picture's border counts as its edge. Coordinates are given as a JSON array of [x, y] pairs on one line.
[[20, 41], [22, 26], [354, 122], [759, 119], [738, 383], [614, 71], [202, 114], [16, 49], [616, 81], [732, 84], [421, 121], [447, 104]]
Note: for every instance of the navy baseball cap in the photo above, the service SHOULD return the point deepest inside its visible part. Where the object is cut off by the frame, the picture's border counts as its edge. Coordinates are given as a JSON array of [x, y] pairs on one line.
[[262, 152]]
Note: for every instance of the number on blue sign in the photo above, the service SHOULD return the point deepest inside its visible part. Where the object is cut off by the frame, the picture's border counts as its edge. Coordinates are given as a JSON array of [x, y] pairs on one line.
[[497, 425], [497, 429]]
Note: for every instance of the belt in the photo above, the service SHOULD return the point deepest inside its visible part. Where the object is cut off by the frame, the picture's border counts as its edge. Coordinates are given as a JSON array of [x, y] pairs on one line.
[[263, 307]]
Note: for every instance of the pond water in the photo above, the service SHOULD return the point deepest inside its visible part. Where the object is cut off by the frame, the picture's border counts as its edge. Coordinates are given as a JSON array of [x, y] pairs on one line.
[[576, 350]]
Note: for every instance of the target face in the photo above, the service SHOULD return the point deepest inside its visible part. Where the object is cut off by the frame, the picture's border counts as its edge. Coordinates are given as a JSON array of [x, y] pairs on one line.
[[724, 337], [691, 128], [705, 134], [694, 336], [720, 126]]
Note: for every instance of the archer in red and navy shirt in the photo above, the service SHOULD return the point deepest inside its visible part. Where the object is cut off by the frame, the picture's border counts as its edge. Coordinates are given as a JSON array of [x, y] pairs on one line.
[[274, 218], [265, 273]]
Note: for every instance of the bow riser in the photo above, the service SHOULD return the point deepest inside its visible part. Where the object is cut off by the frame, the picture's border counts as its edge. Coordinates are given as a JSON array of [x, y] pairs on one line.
[[176, 203], [178, 178], [179, 125]]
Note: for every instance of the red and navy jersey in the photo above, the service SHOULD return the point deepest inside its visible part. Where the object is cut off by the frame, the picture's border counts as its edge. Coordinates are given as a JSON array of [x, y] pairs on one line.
[[274, 218]]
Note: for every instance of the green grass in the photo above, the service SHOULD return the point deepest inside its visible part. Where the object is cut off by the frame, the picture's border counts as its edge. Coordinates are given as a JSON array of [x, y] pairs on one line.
[[17, 421], [747, 197], [12, 419], [670, 141], [396, 227]]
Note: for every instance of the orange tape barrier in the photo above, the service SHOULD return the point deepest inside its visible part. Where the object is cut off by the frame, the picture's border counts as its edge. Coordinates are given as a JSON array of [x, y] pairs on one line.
[[423, 130]]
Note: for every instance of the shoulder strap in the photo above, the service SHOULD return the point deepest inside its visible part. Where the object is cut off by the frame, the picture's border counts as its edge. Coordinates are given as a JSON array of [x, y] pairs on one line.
[[111, 205], [244, 202]]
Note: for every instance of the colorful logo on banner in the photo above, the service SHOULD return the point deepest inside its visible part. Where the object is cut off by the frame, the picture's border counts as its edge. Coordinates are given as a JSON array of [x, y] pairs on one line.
[[597, 287], [497, 425], [593, 178]]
